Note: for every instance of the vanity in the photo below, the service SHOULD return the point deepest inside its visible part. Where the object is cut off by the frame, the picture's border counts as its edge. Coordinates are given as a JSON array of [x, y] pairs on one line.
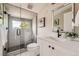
[[53, 46]]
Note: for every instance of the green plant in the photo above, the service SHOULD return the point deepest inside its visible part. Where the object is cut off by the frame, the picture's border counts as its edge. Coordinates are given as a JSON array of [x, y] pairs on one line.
[[71, 34]]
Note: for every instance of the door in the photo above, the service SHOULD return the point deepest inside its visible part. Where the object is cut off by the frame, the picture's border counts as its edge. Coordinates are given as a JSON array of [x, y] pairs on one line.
[[20, 33], [45, 48]]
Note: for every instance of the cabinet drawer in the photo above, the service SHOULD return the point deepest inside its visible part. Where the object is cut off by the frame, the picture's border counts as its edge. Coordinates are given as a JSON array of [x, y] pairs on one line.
[[48, 48], [45, 49], [60, 50], [55, 50]]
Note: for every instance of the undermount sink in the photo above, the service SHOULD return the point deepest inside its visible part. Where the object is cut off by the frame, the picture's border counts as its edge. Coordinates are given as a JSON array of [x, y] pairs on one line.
[[61, 39], [68, 39], [56, 38]]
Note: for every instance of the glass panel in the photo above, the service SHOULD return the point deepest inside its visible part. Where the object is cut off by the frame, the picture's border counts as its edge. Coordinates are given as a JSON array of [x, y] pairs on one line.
[[26, 31], [25, 25], [19, 24], [26, 34], [13, 42], [16, 24]]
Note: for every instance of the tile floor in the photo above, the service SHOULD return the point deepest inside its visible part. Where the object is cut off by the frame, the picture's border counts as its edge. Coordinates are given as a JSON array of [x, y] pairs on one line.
[[24, 52]]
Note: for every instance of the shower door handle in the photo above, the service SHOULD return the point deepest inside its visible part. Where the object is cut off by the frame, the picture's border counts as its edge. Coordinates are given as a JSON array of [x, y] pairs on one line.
[[18, 32]]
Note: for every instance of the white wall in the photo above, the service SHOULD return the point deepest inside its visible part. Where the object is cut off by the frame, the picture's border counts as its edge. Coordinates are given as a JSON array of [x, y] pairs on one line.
[[47, 13], [15, 11], [68, 22]]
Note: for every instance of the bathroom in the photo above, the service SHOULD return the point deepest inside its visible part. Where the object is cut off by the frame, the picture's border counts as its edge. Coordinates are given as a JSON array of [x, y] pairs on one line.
[[39, 29]]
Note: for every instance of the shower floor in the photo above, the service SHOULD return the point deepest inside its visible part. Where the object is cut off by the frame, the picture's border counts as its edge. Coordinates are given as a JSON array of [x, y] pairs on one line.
[[23, 52]]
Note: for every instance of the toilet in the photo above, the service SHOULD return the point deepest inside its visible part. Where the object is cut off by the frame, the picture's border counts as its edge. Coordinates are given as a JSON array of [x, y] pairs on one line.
[[33, 48]]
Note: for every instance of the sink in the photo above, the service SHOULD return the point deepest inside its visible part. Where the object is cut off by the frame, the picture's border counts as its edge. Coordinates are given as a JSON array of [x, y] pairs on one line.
[[62, 39], [70, 45], [57, 39]]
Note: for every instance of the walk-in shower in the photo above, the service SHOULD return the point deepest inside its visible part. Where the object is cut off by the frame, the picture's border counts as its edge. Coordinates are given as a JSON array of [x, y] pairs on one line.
[[20, 33], [21, 29]]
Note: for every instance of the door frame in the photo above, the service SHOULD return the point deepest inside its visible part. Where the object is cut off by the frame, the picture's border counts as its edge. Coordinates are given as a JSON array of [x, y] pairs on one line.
[[25, 19]]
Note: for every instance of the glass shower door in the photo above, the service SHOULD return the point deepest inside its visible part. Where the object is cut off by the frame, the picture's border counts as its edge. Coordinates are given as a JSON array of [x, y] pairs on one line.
[[20, 31], [14, 35], [20, 34], [26, 35]]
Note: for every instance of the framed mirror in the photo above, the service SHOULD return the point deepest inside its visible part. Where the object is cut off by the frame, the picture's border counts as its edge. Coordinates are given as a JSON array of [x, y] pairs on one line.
[[63, 18]]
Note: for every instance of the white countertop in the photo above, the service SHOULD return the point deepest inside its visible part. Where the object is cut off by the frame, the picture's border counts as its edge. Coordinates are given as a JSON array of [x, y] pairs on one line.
[[71, 46]]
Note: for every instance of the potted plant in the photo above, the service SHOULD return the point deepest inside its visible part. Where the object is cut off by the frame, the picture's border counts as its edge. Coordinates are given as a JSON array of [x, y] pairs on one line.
[[71, 35]]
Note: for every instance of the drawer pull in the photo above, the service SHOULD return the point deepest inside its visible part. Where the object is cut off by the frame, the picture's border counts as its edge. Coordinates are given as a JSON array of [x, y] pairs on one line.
[[49, 46], [53, 48]]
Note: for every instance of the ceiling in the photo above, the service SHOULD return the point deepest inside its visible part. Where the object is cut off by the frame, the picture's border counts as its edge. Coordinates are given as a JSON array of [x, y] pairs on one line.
[[36, 7]]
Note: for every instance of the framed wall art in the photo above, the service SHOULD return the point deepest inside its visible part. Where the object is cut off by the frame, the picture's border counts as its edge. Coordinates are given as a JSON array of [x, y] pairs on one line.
[[42, 22]]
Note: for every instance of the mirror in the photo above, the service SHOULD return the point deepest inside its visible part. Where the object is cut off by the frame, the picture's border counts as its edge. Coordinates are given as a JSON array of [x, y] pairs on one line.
[[63, 18], [76, 13]]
